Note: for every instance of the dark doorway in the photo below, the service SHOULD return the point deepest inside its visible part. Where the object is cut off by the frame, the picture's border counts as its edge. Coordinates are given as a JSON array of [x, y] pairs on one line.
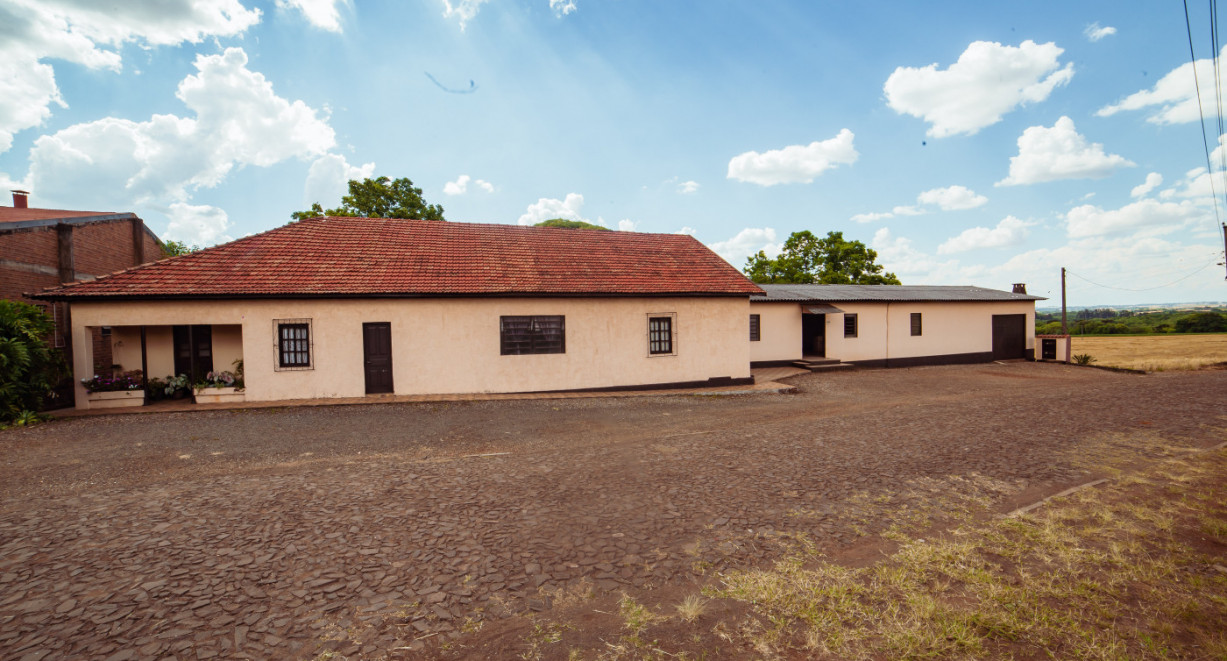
[[377, 356], [813, 335], [1009, 336], [193, 351]]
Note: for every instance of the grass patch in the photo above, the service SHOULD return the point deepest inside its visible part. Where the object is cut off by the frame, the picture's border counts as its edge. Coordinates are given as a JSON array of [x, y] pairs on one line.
[[1124, 570]]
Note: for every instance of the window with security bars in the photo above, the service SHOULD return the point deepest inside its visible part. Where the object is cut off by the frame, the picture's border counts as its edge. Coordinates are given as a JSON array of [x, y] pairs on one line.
[[754, 328], [915, 323], [532, 334], [660, 335], [849, 325], [294, 344]]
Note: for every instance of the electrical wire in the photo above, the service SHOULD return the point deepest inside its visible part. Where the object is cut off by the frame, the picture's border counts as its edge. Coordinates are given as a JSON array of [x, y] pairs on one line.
[[1174, 282], [1205, 140]]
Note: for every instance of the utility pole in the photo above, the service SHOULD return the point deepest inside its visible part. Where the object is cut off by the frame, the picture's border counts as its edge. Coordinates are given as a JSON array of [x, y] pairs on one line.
[[1225, 244], [1064, 329]]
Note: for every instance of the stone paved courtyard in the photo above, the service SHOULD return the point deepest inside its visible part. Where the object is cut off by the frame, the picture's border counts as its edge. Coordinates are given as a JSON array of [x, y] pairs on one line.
[[384, 531]]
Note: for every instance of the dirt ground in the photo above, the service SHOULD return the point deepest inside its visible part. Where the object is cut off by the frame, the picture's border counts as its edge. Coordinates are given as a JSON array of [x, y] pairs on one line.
[[426, 530]]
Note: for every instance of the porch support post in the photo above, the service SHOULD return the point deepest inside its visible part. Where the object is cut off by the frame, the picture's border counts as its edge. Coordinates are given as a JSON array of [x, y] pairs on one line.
[[191, 352], [82, 362], [144, 367]]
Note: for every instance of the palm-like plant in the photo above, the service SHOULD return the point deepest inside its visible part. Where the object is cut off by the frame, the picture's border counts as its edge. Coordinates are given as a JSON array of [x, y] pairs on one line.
[[29, 367]]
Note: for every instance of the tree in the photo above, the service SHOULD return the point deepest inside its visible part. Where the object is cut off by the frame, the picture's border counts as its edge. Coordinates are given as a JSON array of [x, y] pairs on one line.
[[379, 198], [1202, 322], [831, 260], [29, 368], [569, 224], [176, 248]]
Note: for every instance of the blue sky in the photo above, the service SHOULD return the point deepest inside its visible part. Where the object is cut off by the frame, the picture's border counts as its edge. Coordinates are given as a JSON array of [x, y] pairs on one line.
[[969, 143]]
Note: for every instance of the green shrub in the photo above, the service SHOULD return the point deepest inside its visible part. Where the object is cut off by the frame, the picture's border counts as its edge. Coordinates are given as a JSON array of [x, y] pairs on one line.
[[1083, 359], [29, 367]]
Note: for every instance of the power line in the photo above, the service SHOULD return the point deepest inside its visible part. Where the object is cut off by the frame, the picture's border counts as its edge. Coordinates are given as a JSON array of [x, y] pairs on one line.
[[1205, 140], [1177, 281]]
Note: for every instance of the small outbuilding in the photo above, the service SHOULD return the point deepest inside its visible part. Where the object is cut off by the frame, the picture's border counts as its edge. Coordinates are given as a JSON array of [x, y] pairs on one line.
[[890, 325]]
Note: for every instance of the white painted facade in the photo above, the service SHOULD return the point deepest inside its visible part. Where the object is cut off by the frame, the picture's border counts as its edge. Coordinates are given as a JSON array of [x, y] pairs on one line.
[[439, 345]]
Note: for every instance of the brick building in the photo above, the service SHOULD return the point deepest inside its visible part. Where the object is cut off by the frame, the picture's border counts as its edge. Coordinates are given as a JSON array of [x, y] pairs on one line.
[[42, 248]]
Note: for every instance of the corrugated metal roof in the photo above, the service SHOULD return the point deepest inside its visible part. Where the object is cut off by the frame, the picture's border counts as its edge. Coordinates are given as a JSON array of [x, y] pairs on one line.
[[884, 293]]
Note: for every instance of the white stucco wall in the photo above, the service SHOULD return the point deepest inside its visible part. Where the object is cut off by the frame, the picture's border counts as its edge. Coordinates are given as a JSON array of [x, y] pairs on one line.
[[884, 329], [449, 345], [780, 330]]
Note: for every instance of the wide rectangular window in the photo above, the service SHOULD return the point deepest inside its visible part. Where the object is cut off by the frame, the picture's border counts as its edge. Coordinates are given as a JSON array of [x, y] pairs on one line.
[[915, 323], [849, 325], [754, 328], [294, 347], [536, 334], [660, 336]]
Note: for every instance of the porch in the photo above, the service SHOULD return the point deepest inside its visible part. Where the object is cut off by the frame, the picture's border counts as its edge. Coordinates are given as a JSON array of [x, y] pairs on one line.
[[172, 361]]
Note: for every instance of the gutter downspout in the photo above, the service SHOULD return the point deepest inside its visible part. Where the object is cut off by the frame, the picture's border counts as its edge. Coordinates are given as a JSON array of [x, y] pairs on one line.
[[888, 333]]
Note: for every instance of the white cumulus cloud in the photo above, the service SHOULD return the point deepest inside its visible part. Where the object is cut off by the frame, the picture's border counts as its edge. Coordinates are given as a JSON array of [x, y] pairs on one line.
[[323, 14], [328, 179], [1059, 152], [688, 187], [546, 208], [1172, 100], [1153, 181], [461, 185], [795, 163], [1094, 32], [988, 81], [1152, 216], [462, 10], [91, 34], [748, 242], [238, 121], [562, 7], [199, 225], [952, 198], [627, 225], [1009, 232]]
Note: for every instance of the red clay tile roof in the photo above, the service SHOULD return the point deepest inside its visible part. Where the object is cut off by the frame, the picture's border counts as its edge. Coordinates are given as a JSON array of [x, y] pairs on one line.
[[331, 257], [15, 214]]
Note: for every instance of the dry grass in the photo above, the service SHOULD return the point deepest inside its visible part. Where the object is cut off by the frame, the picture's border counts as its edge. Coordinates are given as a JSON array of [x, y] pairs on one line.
[[1155, 353], [1113, 572]]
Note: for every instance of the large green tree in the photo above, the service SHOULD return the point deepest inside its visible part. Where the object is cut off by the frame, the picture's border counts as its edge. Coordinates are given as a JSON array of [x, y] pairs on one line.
[[569, 224], [29, 367], [379, 198], [831, 260]]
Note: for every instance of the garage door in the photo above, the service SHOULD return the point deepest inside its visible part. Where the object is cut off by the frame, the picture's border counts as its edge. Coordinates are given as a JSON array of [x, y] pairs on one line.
[[1009, 336]]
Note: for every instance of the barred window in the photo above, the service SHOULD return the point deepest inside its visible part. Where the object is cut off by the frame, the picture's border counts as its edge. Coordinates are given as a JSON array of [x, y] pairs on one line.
[[849, 325], [915, 323], [754, 328], [535, 334], [294, 347], [660, 335]]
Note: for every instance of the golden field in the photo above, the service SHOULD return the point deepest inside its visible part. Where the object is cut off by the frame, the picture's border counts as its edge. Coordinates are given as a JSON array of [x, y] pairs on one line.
[[1154, 353]]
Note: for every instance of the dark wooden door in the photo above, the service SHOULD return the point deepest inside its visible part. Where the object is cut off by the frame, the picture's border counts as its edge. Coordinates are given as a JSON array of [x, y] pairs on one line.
[[193, 351], [813, 335], [1009, 336], [377, 356]]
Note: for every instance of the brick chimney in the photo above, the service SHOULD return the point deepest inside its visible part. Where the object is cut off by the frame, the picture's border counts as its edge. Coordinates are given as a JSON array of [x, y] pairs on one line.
[[21, 199], [1020, 287]]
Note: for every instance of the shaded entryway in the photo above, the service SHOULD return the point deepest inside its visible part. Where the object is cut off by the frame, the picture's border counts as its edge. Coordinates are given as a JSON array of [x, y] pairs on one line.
[[813, 335]]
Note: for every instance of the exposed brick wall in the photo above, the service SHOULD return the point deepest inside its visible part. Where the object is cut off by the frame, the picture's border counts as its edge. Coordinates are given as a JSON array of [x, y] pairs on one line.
[[100, 248], [102, 352]]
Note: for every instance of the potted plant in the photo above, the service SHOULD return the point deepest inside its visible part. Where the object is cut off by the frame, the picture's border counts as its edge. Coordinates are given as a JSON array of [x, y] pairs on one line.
[[176, 386], [219, 387], [110, 391]]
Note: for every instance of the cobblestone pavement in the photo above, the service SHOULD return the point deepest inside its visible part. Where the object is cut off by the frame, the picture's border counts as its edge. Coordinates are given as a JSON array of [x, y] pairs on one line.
[[373, 531]]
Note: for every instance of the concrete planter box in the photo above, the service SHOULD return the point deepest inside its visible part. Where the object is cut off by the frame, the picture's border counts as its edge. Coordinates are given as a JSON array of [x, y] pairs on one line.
[[219, 395], [115, 399]]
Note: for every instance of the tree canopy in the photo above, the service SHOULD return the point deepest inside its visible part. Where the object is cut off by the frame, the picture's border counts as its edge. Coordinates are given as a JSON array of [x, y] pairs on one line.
[[176, 248], [379, 198], [831, 260], [569, 224]]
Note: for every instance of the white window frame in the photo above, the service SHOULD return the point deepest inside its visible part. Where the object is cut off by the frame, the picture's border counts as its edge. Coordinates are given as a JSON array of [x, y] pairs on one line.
[[277, 366]]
